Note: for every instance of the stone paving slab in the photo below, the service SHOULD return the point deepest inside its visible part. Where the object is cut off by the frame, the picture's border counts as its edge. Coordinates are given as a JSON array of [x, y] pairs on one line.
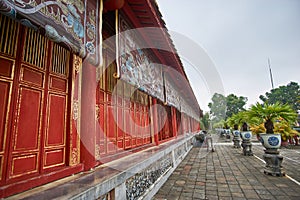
[[228, 174]]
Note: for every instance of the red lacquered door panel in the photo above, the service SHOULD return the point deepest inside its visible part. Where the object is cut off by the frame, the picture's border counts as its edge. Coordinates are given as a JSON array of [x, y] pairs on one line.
[[33, 106]]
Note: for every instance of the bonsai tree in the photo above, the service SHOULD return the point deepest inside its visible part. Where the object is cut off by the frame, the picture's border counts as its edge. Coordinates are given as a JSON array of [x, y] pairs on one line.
[[269, 113]]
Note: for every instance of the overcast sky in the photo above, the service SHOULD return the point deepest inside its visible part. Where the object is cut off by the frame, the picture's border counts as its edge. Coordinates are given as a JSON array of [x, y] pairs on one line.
[[239, 36]]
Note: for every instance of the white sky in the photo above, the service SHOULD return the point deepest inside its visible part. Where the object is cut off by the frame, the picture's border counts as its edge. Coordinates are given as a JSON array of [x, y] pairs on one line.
[[239, 36]]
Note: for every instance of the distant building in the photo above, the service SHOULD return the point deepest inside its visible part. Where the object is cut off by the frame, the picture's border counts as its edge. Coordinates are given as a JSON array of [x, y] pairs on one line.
[[67, 105]]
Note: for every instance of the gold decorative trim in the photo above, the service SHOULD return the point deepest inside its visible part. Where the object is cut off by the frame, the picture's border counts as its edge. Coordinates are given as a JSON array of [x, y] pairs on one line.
[[75, 109], [97, 151], [17, 116], [37, 159], [8, 110], [100, 34], [1, 165], [75, 156], [97, 108], [117, 74], [77, 63], [58, 164], [48, 112]]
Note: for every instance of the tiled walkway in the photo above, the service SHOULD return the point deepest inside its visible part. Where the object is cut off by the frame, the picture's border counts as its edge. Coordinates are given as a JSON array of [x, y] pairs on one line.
[[228, 174]]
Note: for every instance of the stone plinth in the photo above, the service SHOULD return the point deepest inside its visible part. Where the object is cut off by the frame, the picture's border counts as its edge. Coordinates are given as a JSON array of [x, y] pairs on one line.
[[247, 148], [273, 163]]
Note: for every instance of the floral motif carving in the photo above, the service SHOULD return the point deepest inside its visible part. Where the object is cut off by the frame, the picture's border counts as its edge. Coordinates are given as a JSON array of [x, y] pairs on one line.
[[97, 152], [77, 63], [97, 112], [75, 156], [75, 110]]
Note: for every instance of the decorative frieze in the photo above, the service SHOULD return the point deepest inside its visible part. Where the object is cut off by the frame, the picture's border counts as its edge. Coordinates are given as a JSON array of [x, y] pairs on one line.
[[172, 94], [140, 69], [74, 23], [137, 185], [180, 151]]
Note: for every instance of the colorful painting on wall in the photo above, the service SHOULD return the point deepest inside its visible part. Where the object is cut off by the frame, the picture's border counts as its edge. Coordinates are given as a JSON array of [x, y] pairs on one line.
[[73, 23], [137, 66]]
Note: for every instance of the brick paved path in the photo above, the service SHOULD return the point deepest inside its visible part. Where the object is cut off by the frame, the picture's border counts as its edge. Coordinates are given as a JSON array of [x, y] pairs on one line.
[[227, 174]]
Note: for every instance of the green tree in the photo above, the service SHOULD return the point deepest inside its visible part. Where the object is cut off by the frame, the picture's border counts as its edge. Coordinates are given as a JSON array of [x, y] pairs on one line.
[[288, 94], [204, 121], [217, 107], [223, 107], [235, 104]]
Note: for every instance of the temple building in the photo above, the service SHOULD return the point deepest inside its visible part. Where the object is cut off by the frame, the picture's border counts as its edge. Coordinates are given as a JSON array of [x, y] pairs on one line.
[[94, 99]]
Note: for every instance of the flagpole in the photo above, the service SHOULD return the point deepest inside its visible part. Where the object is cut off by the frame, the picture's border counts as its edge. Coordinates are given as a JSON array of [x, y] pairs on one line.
[[271, 76]]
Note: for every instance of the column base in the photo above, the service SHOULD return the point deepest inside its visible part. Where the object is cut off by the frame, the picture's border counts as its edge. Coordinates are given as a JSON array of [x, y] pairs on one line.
[[273, 163], [236, 142], [247, 148]]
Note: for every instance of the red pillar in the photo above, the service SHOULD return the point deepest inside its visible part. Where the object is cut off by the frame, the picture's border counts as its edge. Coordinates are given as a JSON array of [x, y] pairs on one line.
[[174, 123], [88, 116], [155, 118]]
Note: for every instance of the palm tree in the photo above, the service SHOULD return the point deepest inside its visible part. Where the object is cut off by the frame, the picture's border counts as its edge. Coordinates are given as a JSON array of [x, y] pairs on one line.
[[269, 113], [238, 119]]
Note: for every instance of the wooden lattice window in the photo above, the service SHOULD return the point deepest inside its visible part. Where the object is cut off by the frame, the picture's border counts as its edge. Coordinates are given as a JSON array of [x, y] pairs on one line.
[[60, 60], [35, 48], [8, 35]]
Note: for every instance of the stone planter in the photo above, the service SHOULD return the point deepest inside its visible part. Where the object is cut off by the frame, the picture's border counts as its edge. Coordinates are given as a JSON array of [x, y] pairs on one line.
[[236, 139], [270, 141], [247, 135], [272, 158], [236, 133], [246, 143]]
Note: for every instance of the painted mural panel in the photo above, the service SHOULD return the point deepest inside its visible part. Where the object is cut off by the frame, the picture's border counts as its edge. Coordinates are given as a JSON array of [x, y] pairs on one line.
[[137, 67], [172, 96], [74, 23], [140, 69]]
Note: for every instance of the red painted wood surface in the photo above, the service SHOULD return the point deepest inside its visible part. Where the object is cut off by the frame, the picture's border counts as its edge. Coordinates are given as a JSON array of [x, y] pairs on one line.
[[35, 99]]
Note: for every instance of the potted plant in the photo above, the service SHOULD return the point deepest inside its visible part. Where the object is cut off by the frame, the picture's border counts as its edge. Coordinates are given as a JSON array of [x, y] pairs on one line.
[[268, 114], [257, 129], [240, 119], [285, 130], [234, 121]]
